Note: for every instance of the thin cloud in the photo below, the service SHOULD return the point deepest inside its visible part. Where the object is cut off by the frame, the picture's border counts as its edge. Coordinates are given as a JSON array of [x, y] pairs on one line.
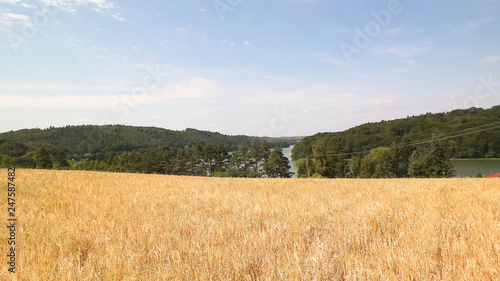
[[299, 1], [100, 6], [71, 5], [406, 52], [14, 2], [21, 87], [394, 32], [409, 65], [10, 19], [335, 62], [337, 30], [118, 17], [471, 25], [193, 89], [490, 59], [28, 6]]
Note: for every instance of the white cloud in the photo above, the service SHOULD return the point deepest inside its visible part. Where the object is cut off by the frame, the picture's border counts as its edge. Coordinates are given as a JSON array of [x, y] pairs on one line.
[[394, 32], [471, 25], [100, 6], [28, 6], [10, 19], [193, 89], [490, 59], [20, 87], [406, 52], [118, 17], [14, 2], [335, 62], [409, 65], [299, 1], [72, 102], [17, 17], [337, 30], [71, 4]]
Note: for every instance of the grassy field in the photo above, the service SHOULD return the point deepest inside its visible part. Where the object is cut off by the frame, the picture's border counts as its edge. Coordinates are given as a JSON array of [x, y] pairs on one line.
[[104, 226]]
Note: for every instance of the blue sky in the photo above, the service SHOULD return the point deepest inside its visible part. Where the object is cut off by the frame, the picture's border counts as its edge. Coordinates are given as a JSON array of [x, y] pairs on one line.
[[274, 68]]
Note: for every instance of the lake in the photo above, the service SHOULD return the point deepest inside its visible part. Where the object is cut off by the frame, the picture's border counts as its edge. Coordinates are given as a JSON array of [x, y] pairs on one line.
[[470, 167], [287, 152], [463, 167]]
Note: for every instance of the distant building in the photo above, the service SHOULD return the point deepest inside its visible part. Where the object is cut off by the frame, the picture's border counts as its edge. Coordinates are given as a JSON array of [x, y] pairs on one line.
[[492, 176]]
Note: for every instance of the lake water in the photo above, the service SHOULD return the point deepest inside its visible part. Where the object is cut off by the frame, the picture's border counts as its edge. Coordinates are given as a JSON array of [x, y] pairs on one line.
[[287, 152], [463, 167], [470, 167]]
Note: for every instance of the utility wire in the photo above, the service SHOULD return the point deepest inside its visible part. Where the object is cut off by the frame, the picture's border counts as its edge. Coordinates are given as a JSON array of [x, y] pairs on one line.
[[477, 130], [428, 140]]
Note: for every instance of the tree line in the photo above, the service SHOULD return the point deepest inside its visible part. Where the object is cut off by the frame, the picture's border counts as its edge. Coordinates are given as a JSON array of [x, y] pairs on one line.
[[403, 160], [94, 142], [468, 133], [251, 161]]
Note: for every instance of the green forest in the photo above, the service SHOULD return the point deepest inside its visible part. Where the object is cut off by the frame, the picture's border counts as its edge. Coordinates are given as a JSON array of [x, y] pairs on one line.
[[94, 142], [469, 133], [250, 161], [145, 150], [416, 146]]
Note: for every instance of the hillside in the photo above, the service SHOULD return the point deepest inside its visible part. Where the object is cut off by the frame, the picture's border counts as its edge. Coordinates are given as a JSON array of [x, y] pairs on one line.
[[470, 133], [94, 142]]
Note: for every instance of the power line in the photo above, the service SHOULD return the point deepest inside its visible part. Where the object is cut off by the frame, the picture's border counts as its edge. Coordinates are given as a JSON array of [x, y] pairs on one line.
[[444, 136], [425, 141]]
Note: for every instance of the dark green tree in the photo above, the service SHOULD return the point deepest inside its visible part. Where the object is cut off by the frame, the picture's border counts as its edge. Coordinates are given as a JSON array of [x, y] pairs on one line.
[[194, 163], [431, 162], [238, 166], [278, 165], [260, 155], [43, 159], [6, 161], [379, 163], [132, 162], [356, 166], [329, 159], [301, 167], [402, 152], [61, 160], [181, 160], [215, 159], [25, 162], [13, 149]]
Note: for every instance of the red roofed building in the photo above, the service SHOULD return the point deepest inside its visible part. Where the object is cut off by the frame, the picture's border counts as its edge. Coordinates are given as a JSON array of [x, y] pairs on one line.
[[492, 176]]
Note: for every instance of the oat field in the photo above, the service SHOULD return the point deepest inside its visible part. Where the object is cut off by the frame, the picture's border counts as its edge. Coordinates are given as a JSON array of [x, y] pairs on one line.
[[102, 226]]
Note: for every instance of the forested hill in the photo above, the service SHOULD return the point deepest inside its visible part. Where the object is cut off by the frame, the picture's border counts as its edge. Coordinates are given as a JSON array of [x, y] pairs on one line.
[[93, 142], [470, 133]]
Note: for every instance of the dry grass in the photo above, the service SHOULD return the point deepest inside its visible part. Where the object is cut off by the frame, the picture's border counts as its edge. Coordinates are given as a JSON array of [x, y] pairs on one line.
[[103, 226]]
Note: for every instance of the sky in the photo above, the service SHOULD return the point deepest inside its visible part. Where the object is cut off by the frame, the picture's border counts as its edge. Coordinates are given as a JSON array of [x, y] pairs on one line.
[[261, 68]]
